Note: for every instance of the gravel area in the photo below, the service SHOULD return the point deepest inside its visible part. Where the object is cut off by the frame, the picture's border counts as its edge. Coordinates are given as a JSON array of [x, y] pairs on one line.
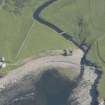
[[34, 65], [81, 94]]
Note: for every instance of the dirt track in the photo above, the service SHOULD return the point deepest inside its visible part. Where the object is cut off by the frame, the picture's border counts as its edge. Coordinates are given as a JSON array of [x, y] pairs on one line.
[[34, 65]]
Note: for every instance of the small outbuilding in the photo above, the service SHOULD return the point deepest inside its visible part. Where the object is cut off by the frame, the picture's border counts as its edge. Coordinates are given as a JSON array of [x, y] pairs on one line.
[[67, 52], [2, 62]]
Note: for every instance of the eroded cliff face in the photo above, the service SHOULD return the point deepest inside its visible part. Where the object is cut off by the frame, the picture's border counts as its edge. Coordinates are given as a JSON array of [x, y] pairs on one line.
[[50, 88], [47, 88]]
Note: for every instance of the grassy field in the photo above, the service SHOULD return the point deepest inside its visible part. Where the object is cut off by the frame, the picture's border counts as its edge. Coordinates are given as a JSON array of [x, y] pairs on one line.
[[84, 20], [81, 18], [43, 39], [21, 36]]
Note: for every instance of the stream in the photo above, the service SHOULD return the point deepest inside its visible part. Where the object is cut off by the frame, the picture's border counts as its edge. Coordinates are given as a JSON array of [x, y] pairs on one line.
[[37, 16]]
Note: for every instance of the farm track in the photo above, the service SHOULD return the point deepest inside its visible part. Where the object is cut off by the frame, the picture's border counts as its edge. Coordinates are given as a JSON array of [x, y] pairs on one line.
[[37, 16], [24, 41]]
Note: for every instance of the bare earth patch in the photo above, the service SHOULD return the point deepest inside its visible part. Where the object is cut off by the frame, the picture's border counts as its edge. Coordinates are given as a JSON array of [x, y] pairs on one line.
[[34, 66], [81, 94]]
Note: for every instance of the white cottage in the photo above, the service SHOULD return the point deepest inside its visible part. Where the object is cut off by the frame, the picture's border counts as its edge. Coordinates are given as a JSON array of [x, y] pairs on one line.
[[2, 62]]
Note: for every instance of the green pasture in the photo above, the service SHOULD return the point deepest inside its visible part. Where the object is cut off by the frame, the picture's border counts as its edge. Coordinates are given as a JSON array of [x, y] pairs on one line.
[[84, 18], [22, 37]]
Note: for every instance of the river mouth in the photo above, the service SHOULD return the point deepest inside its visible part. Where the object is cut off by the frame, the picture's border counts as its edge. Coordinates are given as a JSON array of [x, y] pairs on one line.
[[48, 88]]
